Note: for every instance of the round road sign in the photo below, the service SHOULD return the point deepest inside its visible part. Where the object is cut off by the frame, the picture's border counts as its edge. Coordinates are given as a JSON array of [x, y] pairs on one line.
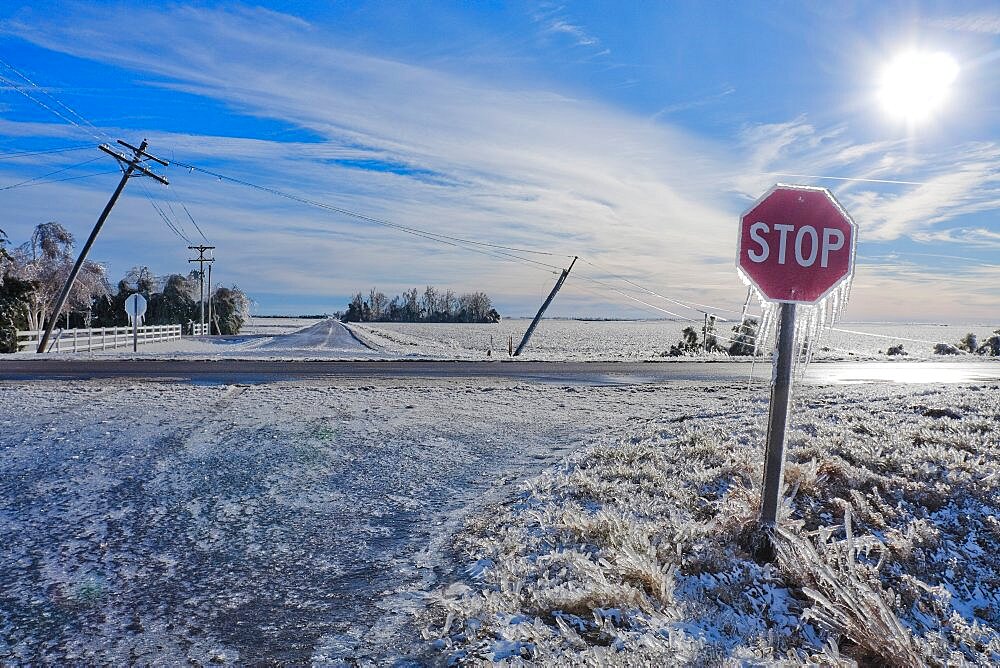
[[796, 244]]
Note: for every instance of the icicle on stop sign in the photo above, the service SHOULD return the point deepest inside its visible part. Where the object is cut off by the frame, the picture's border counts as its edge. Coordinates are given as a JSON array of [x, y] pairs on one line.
[[796, 244]]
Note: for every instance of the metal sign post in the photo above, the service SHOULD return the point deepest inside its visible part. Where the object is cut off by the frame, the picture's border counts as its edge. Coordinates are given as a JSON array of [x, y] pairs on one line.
[[777, 419], [796, 245], [135, 308]]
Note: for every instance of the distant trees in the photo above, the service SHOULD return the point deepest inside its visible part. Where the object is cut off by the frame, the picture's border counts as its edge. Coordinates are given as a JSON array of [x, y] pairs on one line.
[[174, 300], [432, 305]]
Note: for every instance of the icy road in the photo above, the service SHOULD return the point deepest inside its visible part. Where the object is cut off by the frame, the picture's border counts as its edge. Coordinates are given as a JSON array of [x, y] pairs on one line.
[[590, 373]]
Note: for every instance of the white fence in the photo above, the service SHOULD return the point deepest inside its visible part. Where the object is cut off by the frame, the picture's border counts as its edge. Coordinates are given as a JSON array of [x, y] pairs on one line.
[[102, 338]]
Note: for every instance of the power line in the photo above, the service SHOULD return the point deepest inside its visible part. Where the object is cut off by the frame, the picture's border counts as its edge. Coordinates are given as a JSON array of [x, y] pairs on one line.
[[68, 178], [17, 87], [163, 216], [657, 294], [23, 154], [635, 299], [58, 171], [848, 178], [194, 222], [64, 106], [371, 219], [458, 242]]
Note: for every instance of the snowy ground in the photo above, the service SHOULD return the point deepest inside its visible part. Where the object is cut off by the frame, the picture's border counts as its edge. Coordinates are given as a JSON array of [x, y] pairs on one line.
[[639, 551], [282, 522], [302, 522]]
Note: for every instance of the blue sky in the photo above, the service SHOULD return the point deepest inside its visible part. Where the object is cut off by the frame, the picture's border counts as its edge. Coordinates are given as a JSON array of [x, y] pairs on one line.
[[632, 134]]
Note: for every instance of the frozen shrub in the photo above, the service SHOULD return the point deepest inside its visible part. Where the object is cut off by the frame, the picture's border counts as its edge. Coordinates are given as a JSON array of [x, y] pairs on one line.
[[744, 337], [969, 343], [991, 346]]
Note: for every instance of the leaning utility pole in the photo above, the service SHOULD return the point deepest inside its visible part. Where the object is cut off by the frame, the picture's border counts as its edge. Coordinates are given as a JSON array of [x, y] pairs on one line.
[[134, 163], [545, 305], [201, 260]]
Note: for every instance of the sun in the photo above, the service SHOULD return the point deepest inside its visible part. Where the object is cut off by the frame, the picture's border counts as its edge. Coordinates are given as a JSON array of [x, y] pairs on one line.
[[915, 84]]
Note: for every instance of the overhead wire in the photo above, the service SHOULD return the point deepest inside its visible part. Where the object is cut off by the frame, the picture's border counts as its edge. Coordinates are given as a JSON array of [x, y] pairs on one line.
[[458, 242], [24, 154], [364, 217], [163, 216], [43, 176], [55, 100], [68, 178], [687, 305]]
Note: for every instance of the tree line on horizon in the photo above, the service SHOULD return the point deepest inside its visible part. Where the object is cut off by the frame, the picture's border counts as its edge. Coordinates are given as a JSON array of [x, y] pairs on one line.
[[433, 305], [33, 274]]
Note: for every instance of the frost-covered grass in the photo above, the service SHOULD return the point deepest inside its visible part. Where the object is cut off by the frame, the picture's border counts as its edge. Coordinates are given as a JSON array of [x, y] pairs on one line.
[[637, 552]]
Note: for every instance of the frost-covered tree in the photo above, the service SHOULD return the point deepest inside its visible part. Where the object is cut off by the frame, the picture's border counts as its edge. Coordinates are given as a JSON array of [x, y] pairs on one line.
[[230, 309], [45, 262], [744, 337]]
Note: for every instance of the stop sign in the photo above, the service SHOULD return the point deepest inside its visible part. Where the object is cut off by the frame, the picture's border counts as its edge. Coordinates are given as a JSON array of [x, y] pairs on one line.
[[796, 244]]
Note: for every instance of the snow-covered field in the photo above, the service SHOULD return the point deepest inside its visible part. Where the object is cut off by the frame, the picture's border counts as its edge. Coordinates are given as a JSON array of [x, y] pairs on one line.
[[157, 522], [273, 326], [554, 340], [637, 340]]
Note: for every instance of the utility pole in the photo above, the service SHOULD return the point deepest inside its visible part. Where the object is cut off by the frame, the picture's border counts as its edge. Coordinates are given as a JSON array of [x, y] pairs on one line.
[[130, 166], [210, 298], [201, 260], [545, 305]]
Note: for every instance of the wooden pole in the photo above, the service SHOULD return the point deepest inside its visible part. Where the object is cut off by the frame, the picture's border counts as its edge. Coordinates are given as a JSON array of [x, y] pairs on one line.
[[210, 298], [545, 305], [133, 166]]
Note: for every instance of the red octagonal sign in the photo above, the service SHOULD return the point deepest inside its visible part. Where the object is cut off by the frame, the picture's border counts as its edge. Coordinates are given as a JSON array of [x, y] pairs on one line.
[[796, 244]]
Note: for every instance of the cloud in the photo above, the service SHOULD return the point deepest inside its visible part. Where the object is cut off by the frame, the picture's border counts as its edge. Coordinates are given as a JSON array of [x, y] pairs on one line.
[[984, 23], [693, 104], [580, 36], [527, 167], [975, 237]]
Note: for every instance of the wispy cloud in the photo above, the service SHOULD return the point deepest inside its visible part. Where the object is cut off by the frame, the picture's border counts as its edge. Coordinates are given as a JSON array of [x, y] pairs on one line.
[[695, 103], [985, 23], [554, 20]]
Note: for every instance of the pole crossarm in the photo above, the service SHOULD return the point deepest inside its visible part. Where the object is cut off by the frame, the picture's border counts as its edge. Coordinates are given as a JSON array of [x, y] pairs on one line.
[[136, 162], [129, 168]]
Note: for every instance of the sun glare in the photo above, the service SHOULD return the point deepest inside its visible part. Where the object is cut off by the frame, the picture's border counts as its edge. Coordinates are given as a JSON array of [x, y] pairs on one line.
[[915, 84]]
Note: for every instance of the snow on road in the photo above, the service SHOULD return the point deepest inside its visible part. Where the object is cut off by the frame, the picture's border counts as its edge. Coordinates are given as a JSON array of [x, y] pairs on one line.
[[325, 335], [284, 522]]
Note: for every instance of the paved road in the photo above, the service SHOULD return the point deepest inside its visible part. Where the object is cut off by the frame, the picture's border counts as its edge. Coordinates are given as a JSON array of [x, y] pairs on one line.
[[590, 373]]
